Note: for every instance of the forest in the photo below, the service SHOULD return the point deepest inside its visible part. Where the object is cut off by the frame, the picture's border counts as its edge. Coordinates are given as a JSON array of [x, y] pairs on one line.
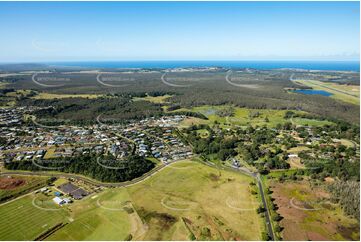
[[106, 169], [259, 89]]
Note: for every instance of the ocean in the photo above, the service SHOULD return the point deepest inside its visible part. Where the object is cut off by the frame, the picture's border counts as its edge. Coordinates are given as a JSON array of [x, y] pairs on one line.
[[306, 65]]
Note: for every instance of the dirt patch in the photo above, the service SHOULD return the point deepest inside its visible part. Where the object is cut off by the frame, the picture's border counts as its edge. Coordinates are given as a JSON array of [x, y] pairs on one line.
[[9, 183], [214, 177]]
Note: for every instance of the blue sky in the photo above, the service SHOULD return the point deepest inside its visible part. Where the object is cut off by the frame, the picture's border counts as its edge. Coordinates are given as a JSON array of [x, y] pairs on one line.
[[76, 31]]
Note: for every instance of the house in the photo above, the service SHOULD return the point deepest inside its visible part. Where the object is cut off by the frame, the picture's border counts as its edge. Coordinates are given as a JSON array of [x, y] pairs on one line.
[[292, 156]]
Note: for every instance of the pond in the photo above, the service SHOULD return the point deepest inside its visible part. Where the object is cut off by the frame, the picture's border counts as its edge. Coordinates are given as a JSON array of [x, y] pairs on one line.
[[313, 92]]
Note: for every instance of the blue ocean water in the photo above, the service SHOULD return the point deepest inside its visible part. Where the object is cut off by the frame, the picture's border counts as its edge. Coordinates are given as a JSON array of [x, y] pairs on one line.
[[307, 65], [313, 92]]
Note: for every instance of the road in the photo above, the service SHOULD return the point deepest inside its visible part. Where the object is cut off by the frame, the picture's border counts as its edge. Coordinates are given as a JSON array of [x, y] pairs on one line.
[[146, 176], [257, 176]]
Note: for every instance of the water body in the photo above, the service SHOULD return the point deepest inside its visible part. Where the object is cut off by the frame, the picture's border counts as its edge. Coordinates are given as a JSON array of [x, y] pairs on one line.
[[306, 65], [313, 92]]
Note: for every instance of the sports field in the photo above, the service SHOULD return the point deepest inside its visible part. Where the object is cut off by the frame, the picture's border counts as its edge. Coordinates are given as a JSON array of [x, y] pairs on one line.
[[22, 220], [186, 200]]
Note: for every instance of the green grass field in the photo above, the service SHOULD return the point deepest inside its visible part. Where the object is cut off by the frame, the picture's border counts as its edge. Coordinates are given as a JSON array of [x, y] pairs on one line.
[[96, 218], [219, 203], [158, 99], [21, 220], [245, 117], [183, 200]]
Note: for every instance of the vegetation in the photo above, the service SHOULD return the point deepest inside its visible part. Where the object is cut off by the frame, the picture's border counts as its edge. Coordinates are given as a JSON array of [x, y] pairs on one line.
[[347, 193], [106, 170]]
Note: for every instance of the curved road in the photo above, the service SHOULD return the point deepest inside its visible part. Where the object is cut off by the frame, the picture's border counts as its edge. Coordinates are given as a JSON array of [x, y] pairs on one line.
[[146, 176], [256, 176]]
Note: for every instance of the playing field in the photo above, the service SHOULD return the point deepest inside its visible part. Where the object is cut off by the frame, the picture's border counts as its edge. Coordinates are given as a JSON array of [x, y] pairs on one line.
[[98, 217], [186, 200], [22, 220]]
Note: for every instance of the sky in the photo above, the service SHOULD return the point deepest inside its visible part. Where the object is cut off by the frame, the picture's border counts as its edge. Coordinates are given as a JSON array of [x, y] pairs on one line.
[[95, 31]]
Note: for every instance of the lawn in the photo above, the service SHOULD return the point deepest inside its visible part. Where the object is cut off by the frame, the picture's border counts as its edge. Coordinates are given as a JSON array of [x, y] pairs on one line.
[[21, 220], [98, 217]]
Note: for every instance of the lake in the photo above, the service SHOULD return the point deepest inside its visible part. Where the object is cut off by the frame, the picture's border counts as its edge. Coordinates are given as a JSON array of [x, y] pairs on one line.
[[313, 92]]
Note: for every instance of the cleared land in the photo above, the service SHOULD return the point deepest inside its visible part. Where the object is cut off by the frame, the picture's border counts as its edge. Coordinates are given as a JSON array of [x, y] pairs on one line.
[[14, 186], [308, 213], [245, 117], [346, 93], [189, 199], [45, 95], [184, 201], [158, 99]]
